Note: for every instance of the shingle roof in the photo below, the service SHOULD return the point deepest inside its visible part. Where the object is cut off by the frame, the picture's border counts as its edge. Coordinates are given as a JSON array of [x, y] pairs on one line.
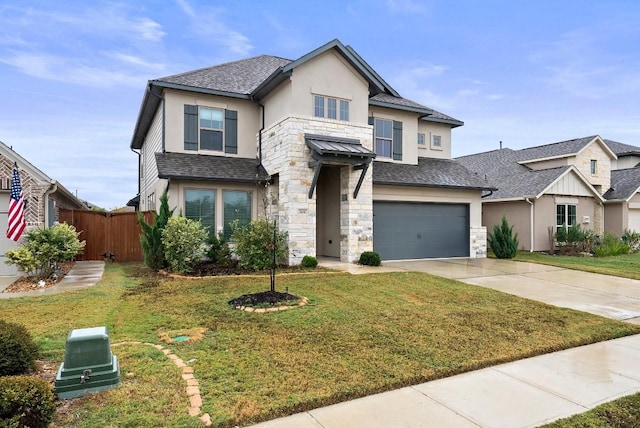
[[512, 179], [240, 77], [187, 166], [428, 172], [624, 184], [621, 149], [561, 148]]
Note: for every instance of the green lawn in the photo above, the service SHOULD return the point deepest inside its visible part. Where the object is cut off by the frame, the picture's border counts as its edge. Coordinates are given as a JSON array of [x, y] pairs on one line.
[[626, 266], [359, 334], [621, 413]]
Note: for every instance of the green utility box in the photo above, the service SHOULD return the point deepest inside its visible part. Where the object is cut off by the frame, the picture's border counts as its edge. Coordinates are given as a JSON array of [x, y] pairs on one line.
[[89, 365]]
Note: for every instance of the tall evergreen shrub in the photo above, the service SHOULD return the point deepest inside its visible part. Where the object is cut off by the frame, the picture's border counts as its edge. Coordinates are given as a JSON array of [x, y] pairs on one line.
[[151, 236], [503, 242]]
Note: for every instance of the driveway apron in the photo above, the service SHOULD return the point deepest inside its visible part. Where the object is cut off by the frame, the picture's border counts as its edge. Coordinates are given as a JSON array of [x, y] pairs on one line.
[[608, 296]]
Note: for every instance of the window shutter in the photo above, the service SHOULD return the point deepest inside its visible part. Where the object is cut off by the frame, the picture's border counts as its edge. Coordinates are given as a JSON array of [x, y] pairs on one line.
[[397, 140], [231, 131], [190, 127]]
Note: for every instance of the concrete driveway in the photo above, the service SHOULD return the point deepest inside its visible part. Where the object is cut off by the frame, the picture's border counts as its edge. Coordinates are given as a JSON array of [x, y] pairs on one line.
[[608, 296]]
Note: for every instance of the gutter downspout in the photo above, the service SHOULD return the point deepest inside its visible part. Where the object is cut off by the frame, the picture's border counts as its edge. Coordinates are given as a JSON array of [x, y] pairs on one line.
[[139, 178], [531, 223], [53, 187], [260, 136]]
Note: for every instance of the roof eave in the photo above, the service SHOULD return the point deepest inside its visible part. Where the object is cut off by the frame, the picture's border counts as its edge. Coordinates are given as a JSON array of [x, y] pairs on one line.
[[210, 179], [199, 89], [270, 83], [400, 107], [439, 186], [453, 122]]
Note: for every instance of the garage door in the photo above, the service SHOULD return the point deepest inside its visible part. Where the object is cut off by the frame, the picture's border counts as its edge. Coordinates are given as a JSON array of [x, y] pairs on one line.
[[405, 230], [5, 243], [634, 219]]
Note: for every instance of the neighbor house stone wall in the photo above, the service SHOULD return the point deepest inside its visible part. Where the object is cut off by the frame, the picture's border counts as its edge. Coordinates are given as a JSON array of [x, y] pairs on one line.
[[285, 153]]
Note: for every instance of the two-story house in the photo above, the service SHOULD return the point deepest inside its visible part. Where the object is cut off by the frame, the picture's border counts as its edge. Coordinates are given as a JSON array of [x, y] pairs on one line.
[[545, 187], [322, 144]]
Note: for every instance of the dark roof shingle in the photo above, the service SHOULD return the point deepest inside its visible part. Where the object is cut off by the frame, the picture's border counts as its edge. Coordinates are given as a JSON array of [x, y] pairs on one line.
[[624, 184], [187, 166], [429, 172], [621, 149]]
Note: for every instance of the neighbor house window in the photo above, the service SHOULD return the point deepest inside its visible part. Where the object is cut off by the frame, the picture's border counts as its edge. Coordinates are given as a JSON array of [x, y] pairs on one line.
[[384, 137], [331, 108], [566, 215], [421, 139], [237, 206], [200, 204], [151, 202], [437, 141], [594, 167]]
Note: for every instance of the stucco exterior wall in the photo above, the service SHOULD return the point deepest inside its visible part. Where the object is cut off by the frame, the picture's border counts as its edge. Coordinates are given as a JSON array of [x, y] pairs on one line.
[[431, 129], [249, 119], [518, 214], [615, 217]]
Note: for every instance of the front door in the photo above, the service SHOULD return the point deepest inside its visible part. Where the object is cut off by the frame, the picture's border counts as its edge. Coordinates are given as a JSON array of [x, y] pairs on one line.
[[328, 212]]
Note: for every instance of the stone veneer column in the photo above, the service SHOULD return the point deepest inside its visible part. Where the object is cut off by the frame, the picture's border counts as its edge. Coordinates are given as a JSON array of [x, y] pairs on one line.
[[598, 219], [284, 152], [478, 237]]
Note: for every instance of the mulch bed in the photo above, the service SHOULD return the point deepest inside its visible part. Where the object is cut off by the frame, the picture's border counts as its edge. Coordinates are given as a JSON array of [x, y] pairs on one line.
[[265, 298], [27, 283]]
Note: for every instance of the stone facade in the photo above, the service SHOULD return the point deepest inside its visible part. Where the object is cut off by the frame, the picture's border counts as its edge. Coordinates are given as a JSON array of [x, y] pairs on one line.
[[602, 178], [478, 238], [285, 154]]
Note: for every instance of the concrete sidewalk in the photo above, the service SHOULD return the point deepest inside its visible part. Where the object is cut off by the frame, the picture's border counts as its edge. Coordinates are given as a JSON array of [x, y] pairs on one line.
[[83, 274], [525, 393]]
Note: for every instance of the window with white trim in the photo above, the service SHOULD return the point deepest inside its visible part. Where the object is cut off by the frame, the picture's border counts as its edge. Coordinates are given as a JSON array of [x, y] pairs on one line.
[[593, 167], [383, 137], [421, 139], [330, 108], [211, 128], [566, 215], [437, 141]]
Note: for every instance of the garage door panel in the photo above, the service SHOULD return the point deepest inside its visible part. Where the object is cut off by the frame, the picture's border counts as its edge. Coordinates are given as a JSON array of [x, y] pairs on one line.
[[420, 230]]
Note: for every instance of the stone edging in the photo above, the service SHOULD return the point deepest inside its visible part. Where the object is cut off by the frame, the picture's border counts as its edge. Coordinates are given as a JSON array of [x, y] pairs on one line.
[[193, 386], [303, 302]]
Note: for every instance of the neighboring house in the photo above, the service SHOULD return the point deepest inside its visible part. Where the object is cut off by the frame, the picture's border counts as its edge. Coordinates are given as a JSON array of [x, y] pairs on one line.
[[321, 143], [43, 198], [541, 188]]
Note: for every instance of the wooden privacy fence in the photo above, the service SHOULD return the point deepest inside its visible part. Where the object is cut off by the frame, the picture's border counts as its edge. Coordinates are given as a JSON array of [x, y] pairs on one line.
[[109, 235]]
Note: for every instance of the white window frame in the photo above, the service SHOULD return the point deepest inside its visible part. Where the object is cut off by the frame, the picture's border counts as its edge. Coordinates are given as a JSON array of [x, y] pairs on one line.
[[593, 167], [567, 216], [201, 128], [436, 142], [421, 139], [383, 138]]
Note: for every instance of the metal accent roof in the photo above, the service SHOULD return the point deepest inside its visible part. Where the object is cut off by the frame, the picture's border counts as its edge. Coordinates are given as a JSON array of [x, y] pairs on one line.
[[326, 146]]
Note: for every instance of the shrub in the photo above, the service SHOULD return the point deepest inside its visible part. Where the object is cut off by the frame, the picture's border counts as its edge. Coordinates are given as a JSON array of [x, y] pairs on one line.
[[254, 244], [503, 242], [611, 245], [183, 240], [575, 235], [562, 234], [45, 248], [632, 239], [18, 352], [26, 401], [219, 251], [151, 236], [309, 262], [369, 258]]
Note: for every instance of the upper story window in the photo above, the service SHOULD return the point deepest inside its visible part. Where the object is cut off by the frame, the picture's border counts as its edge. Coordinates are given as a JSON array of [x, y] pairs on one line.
[[387, 137], [330, 108], [420, 139], [384, 137], [211, 128], [208, 128], [593, 167], [437, 141]]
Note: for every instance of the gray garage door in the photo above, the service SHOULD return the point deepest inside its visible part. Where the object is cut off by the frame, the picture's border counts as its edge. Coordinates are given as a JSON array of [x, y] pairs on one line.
[[405, 230]]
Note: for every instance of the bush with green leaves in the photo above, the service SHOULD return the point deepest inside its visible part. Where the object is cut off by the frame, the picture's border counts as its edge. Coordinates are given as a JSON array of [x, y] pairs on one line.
[[18, 351], [502, 241], [26, 401], [309, 262], [611, 245], [219, 251], [254, 244], [151, 236], [184, 243], [45, 248], [370, 258], [632, 239]]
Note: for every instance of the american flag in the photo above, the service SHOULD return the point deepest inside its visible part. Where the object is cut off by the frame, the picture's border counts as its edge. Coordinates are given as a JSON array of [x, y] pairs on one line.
[[15, 221]]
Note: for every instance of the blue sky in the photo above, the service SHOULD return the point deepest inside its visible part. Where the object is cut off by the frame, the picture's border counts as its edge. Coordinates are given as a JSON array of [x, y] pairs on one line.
[[524, 73]]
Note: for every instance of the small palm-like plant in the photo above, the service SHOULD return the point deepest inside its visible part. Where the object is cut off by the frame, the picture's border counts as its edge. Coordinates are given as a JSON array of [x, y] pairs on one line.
[[503, 242]]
